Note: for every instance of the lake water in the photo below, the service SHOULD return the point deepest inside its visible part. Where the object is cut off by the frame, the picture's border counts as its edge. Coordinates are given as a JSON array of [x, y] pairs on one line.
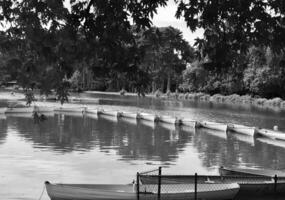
[[85, 149]]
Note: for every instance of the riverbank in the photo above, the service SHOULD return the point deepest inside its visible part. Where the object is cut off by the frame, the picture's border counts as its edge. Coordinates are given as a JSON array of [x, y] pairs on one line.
[[275, 103]]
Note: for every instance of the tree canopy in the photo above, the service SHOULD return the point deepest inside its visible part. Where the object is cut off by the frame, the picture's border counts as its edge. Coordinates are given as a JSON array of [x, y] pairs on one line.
[[43, 42]]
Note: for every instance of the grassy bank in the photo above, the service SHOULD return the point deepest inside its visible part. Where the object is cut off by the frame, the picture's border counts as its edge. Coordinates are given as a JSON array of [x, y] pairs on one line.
[[229, 99]]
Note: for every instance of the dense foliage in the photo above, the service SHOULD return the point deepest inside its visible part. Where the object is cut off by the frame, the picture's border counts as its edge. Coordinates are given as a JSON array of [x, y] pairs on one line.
[[110, 45]]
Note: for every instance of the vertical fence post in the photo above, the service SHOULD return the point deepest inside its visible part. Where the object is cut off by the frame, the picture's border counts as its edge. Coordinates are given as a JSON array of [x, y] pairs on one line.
[[138, 186], [159, 183], [275, 183], [195, 187]]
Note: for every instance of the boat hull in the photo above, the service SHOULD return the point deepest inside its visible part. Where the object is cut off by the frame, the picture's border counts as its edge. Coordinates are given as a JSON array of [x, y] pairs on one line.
[[149, 117], [190, 123], [169, 120], [214, 126], [130, 115], [277, 135], [70, 109], [147, 192], [111, 113], [224, 171], [251, 131]]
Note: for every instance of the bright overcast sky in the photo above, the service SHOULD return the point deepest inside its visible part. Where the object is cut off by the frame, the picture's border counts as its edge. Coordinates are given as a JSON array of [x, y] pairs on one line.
[[166, 17]]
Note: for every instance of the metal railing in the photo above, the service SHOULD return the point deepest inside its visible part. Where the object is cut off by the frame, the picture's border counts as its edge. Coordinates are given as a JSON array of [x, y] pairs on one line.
[[154, 185]]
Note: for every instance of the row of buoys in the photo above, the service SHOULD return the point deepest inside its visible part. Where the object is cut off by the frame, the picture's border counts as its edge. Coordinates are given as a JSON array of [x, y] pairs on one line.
[[246, 130]]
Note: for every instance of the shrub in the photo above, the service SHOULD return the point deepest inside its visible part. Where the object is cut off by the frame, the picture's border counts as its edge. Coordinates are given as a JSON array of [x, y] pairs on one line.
[[157, 93], [123, 92]]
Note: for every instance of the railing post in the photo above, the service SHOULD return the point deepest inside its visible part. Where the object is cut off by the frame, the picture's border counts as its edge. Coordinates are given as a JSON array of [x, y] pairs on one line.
[[195, 187], [275, 183], [138, 186], [159, 183]]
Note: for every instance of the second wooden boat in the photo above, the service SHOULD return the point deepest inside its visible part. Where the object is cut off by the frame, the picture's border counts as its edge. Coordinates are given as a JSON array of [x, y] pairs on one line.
[[189, 122], [214, 126], [149, 117], [132, 115], [169, 120], [147, 192], [225, 171], [111, 113], [252, 131], [277, 135], [71, 109]]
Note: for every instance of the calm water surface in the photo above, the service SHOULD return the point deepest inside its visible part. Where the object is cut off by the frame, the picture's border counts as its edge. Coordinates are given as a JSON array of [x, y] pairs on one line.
[[89, 149]]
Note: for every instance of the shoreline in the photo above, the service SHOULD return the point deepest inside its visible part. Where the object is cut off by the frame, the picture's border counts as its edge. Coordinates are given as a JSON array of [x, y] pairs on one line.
[[275, 104]]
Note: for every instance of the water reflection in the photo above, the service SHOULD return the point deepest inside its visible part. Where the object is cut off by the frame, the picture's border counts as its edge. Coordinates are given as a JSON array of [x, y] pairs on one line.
[[144, 140], [3, 129]]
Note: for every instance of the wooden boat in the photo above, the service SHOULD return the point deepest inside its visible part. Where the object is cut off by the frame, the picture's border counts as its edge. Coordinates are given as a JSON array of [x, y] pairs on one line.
[[249, 185], [149, 117], [277, 135], [147, 192], [189, 122], [169, 120], [92, 111], [110, 113], [252, 131], [132, 115], [214, 126], [71, 109], [20, 110], [224, 171]]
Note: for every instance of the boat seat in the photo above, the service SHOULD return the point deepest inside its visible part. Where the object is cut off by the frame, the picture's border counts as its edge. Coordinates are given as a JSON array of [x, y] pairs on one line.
[[209, 181]]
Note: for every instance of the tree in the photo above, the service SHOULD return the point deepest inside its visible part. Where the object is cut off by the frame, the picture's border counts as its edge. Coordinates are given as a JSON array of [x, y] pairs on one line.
[[166, 54], [50, 39]]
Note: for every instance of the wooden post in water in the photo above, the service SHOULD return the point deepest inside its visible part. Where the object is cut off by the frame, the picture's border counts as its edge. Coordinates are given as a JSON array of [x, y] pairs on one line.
[[159, 183], [275, 183], [195, 187], [138, 186]]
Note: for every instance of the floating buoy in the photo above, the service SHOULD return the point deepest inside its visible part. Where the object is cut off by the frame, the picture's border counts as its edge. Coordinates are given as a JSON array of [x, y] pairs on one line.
[[275, 128]]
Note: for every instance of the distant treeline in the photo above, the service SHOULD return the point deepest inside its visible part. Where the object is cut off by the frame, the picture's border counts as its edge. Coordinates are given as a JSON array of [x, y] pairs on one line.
[[257, 72]]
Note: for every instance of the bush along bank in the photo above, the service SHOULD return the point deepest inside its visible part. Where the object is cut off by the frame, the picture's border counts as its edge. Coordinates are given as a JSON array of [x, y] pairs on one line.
[[275, 103]]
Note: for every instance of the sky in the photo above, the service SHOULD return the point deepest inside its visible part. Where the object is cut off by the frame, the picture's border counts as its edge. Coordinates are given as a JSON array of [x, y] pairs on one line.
[[166, 17]]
